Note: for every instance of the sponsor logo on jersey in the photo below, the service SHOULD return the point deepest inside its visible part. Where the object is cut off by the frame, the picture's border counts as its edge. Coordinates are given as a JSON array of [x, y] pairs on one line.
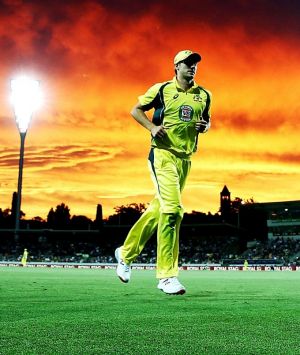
[[186, 113], [197, 98]]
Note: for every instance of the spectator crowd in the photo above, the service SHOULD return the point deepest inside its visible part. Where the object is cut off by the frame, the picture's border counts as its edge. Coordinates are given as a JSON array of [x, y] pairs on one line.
[[192, 250]]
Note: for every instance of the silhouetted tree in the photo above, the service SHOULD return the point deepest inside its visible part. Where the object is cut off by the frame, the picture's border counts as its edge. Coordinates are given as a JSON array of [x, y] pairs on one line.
[[51, 218], [127, 214], [6, 220], [36, 223], [81, 222], [1, 217], [60, 218], [236, 207], [196, 217], [38, 219]]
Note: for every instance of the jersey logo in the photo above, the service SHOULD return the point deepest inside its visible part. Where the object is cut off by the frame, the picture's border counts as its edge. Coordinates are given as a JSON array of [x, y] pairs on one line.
[[186, 113], [197, 98], [175, 96]]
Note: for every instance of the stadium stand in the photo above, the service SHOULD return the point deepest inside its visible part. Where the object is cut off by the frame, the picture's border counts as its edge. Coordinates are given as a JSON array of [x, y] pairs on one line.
[[208, 250]]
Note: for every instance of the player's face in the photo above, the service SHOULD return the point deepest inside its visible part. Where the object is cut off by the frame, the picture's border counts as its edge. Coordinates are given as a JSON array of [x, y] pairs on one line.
[[187, 69]]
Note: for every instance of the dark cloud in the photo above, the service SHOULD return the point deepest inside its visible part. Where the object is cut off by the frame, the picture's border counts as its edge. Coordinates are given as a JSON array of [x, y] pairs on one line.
[[288, 158], [258, 17], [260, 153], [71, 36], [283, 158], [95, 57], [246, 122], [56, 156], [7, 44]]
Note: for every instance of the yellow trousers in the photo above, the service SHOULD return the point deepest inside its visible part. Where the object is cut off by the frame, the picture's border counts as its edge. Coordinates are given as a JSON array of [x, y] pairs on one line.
[[163, 214]]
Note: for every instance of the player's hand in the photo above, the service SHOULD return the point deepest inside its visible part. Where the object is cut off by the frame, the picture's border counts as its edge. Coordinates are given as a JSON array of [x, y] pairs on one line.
[[158, 131], [202, 126]]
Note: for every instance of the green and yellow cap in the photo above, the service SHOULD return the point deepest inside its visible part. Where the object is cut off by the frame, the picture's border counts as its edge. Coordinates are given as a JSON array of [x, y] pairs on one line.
[[182, 55]]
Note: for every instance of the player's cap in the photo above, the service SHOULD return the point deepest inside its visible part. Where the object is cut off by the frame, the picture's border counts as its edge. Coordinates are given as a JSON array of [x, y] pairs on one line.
[[182, 55]]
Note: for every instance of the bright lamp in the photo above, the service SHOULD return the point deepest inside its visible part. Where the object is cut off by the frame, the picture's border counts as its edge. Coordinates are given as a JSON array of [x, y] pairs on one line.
[[26, 98]]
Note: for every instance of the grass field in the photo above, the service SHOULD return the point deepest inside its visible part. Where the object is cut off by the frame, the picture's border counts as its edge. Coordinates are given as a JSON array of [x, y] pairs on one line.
[[79, 311]]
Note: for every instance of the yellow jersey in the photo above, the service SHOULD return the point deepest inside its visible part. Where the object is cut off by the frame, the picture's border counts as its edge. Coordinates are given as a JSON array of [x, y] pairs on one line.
[[178, 111]]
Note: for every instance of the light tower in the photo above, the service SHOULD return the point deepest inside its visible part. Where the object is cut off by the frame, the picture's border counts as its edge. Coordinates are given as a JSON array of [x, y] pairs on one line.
[[25, 98]]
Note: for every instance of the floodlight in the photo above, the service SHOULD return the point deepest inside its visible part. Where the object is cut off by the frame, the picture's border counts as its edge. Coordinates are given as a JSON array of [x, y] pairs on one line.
[[26, 98]]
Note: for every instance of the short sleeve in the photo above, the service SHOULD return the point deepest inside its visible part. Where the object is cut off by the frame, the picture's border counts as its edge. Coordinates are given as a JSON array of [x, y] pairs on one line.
[[147, 100]]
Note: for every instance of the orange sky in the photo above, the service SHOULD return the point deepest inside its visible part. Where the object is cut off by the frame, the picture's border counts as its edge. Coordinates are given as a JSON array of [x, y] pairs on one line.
[[94, 58]]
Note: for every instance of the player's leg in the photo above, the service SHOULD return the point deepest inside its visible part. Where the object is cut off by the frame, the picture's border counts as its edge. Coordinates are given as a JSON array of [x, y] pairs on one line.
[[167, 245], [141, 232], [169, 177], [136, 239], [184, 169]]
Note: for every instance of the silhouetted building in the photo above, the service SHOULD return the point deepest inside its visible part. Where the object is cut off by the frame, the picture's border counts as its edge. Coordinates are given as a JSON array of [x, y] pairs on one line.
[[225, 203], [14, 206], [268, 220], [99, 216], [283, 219]]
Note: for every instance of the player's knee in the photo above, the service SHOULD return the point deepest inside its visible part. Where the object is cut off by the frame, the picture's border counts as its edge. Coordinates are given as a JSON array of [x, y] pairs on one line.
[[179, 212], [175, 212]]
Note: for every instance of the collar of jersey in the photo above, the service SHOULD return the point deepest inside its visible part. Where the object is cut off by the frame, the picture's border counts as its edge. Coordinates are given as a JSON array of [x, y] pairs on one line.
[[180, 89]]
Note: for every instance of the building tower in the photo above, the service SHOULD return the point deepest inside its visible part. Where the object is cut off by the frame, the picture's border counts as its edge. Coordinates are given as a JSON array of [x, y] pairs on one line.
[[99, 216], [225, 203], [14, 206]]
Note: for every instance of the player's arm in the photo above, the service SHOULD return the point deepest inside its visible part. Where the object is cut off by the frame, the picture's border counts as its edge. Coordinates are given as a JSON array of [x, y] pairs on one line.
[[138, 113], [203, 125]]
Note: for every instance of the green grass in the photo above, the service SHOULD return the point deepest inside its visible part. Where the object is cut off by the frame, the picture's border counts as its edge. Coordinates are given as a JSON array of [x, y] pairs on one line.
[[79, 311]]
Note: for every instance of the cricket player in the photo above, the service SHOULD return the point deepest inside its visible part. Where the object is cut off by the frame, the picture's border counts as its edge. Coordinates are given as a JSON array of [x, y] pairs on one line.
[[24, 257], [181, 112]]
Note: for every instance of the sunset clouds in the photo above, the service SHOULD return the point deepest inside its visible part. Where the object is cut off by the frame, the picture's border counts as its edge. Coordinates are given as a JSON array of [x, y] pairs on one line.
[[95, 57]]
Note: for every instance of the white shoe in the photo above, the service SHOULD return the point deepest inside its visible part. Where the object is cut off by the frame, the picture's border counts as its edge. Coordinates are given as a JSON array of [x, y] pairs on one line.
[[123, 270], [171, 286]]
